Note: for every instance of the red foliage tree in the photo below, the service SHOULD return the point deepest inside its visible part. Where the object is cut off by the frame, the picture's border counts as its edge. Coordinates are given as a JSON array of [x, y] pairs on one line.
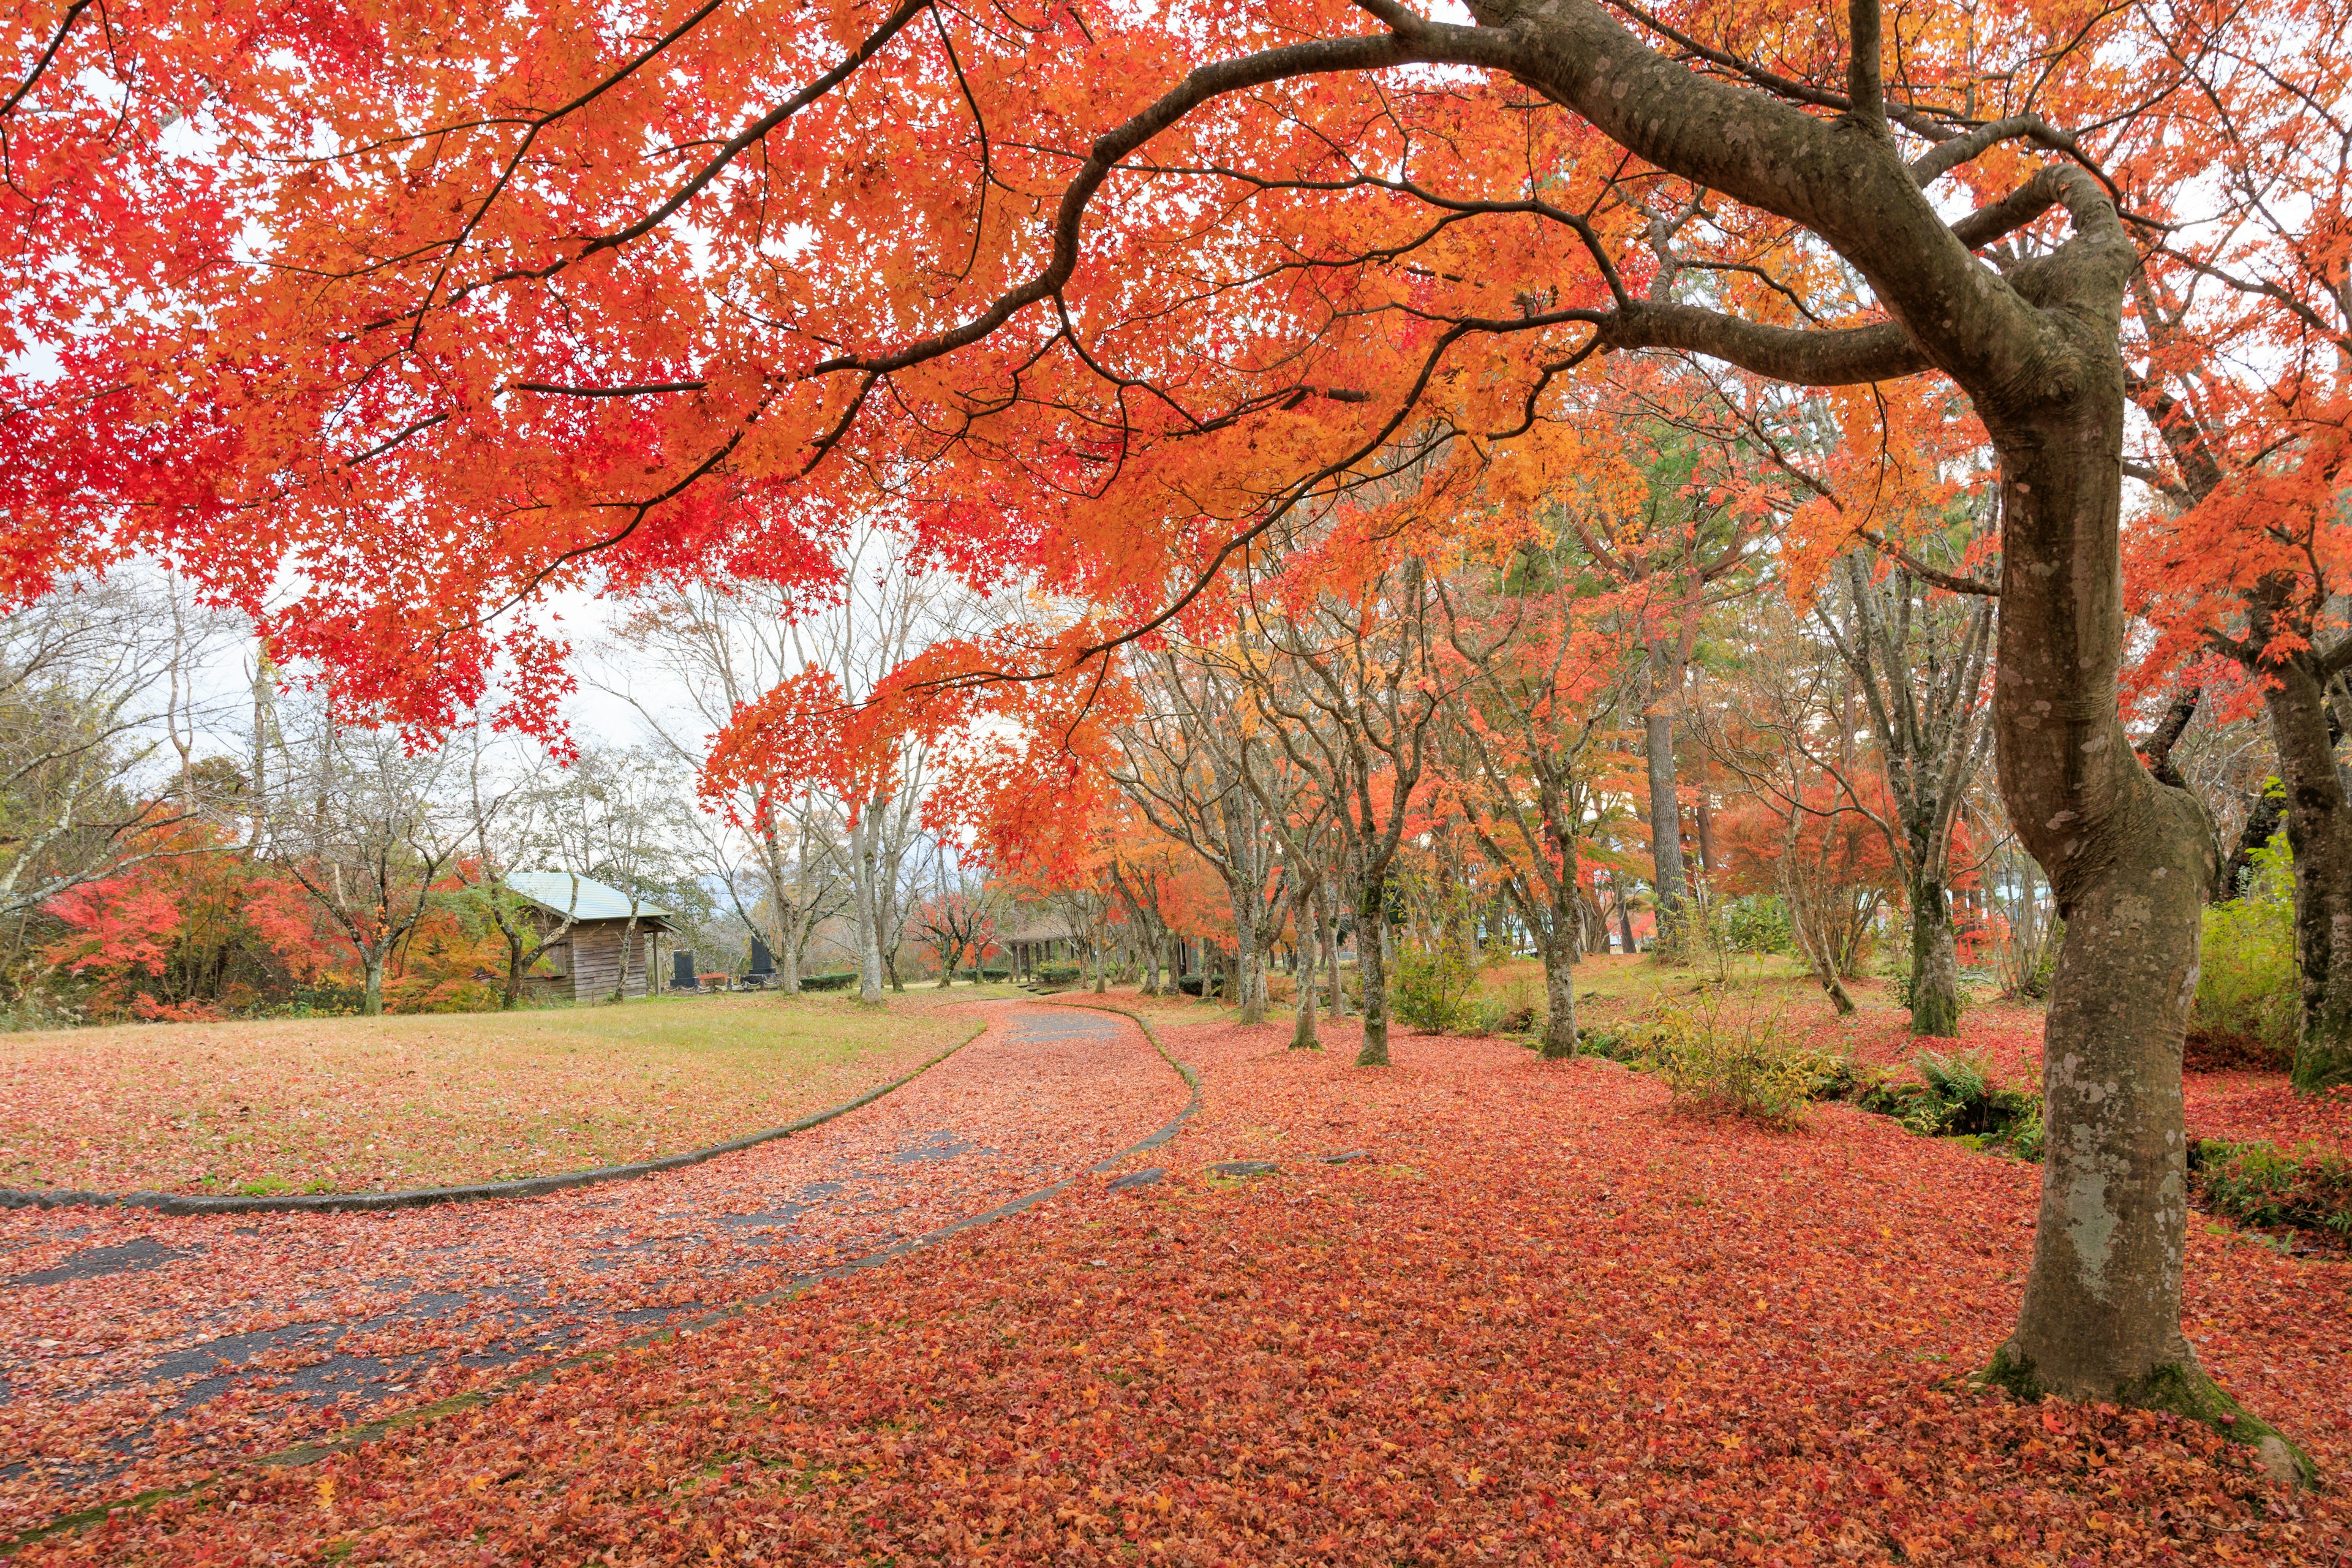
[[551, 297]]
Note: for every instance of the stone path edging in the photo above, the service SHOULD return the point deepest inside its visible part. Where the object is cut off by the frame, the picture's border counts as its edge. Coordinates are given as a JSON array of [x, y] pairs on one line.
[[312, 1453], [477, 1192]]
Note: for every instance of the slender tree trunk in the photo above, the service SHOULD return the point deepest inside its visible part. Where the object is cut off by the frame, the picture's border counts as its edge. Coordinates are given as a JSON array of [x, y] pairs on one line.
[[628, 941], [1560, 995], [371, 986], [787, 956], [1372, 979], [1934, 963], [2262, 819], [512, 993], [1244, 992], [1624, 915], [1806, 932], [1703, 814], [1666, 833], [865, 854], [2319, 831], [1310, 925], [1330, 938]]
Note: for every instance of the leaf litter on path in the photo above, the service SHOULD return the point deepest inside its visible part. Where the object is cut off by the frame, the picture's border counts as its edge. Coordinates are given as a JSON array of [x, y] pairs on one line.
[[1543, 1321]]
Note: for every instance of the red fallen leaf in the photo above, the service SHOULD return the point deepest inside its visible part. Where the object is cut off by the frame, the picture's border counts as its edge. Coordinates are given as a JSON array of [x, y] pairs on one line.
[[943, 1395]]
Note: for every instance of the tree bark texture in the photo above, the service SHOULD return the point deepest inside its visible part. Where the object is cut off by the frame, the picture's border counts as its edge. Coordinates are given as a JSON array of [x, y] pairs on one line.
[[1372, 979], [1560, 1037], [1665, 831], [2319, 832], [1934, 963]]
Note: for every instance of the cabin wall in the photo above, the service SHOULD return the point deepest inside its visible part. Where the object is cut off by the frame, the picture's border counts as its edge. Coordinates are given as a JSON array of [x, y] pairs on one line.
[[593, 960]]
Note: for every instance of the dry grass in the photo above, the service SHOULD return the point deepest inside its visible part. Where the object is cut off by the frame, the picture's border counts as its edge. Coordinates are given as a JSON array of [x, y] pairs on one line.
[[357, 1104]]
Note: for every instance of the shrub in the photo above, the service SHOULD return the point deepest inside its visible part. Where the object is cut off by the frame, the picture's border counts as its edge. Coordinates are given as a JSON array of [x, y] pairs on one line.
[[2257, 1185], [1059, 974], [1190, 984], [1956, 1096], [841, 982], [1434, 991], [991, 972], [1757, 923], [2247, 987], [1745, 1067]]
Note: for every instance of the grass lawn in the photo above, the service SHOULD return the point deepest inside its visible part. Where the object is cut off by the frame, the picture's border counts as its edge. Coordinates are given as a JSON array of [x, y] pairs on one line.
[[366, 1104]]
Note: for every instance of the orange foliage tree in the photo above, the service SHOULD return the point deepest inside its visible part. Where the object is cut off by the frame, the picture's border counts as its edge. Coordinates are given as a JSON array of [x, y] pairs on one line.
[[442, 311], [2241, 360]]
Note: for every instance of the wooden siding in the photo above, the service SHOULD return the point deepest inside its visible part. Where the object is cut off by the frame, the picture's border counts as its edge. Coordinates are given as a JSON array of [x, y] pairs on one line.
[[591, 960]]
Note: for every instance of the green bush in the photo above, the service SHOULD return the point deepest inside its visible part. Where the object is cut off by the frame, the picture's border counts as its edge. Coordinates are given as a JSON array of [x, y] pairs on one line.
[[2247, 987], [1435, 991], [1059, 974], [1745, 1067], [841, 982], [2257, 1185], [1757, 923], [991, 972]]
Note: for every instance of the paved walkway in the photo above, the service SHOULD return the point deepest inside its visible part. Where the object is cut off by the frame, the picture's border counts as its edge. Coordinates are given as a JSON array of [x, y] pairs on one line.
[[140, 1348]]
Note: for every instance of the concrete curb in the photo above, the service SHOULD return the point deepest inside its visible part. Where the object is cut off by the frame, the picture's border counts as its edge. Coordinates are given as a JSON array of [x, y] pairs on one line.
[[479, 1192]]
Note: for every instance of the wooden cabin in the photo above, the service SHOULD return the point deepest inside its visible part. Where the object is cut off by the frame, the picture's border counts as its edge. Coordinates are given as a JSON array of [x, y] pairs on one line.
[[587, 965]]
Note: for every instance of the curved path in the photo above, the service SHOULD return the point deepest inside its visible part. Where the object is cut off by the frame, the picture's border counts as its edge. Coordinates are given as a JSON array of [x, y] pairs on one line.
[[140, 1349]]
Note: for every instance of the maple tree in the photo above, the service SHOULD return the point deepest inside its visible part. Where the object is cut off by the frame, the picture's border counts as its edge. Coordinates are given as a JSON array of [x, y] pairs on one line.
[[1526, 738], [1655, 521], [189, 931], [2239, 358], [1354, 701], [550, 297]]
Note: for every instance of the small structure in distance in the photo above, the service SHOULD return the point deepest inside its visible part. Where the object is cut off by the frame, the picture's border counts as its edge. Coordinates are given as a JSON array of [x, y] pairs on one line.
[[587, 965]]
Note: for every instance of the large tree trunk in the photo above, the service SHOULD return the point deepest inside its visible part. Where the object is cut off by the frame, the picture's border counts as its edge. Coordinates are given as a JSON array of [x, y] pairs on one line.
[[1934, 962], [1372, 978], [2130, 860], [1331, 957], [1560, 995], [865, 855], [2319, 831], [371, 986], [1245, 991]]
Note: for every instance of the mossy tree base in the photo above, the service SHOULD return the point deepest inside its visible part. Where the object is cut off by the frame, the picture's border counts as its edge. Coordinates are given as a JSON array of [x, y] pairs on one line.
[[1934, 1015], [2184, 1389]]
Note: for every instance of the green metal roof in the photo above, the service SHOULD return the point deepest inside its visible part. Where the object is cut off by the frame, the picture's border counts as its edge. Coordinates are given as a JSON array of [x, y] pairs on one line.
[[583, 897]]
